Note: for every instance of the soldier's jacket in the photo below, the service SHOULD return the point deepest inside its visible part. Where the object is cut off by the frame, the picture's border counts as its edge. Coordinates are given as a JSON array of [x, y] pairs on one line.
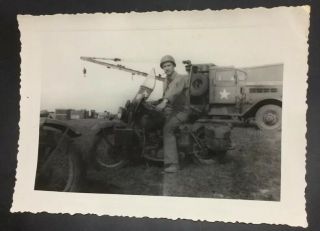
[[175, 91]]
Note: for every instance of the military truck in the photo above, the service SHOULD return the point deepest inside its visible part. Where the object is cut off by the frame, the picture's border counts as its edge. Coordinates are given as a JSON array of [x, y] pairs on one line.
[[252, 94]]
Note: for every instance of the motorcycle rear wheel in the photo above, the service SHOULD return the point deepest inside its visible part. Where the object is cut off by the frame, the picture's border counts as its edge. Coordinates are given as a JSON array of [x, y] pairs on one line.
[[201, 154]]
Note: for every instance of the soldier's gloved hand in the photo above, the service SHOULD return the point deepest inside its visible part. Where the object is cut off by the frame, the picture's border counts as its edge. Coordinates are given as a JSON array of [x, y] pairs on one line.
[[162, 105]]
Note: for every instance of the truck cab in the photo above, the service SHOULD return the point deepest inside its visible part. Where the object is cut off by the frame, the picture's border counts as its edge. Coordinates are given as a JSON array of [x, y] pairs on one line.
[[251, 94]]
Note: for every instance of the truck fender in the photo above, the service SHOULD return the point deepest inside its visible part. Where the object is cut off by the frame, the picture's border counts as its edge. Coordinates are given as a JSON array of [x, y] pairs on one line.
[[250, 112]]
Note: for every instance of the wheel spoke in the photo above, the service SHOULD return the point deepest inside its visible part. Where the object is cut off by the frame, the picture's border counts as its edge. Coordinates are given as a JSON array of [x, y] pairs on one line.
[[108, 155], [200, 150]]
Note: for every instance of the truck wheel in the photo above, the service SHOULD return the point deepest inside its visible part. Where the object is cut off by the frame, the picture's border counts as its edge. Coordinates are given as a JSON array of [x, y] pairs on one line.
[[199, 85], [268, 117], [107, 155]]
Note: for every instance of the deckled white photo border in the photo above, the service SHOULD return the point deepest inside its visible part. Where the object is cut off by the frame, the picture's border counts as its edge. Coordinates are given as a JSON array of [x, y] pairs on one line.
[[290, 210]]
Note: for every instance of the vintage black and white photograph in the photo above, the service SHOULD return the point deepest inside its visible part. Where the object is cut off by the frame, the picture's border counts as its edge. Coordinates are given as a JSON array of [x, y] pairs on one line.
[[174, 105], [215, 131]]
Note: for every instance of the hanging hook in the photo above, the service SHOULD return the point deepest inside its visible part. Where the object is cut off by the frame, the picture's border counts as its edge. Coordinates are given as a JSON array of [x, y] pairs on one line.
[[132, 74], [84, 71]]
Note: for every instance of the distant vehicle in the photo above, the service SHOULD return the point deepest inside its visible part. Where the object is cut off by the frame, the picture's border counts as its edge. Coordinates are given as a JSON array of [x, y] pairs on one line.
[[47, 114], [44, 113]]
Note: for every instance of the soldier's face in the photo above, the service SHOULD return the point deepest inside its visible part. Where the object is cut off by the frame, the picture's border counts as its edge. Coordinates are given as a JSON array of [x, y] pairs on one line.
[[168, 68]]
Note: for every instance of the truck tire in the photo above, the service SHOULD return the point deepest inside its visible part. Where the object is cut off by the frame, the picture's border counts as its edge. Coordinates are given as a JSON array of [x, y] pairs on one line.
[[268, 117], [199, 85]]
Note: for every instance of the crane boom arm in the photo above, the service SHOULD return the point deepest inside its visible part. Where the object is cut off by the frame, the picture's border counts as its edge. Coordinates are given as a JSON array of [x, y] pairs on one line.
[[117, 67]]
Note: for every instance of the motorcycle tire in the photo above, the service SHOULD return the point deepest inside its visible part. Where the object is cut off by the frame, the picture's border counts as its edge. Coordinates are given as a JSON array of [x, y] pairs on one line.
[[61, 173], [201, 154], [107, 156]]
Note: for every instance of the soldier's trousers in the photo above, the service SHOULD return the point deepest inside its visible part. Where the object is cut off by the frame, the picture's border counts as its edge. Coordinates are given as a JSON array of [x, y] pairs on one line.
[[173, 120]]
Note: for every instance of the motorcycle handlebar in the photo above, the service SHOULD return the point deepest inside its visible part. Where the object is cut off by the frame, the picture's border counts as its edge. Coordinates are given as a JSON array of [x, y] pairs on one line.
[[152, 106]]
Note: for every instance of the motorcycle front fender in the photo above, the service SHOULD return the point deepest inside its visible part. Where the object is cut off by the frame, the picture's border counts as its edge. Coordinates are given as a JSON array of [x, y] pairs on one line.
[[100, 126], [59, 125]]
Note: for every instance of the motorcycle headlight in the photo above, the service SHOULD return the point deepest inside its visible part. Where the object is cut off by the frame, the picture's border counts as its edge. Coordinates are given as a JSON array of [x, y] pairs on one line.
[[120, 113]]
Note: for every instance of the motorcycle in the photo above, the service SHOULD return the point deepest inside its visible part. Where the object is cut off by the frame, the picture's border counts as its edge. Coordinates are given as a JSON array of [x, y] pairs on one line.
[[137, 133]]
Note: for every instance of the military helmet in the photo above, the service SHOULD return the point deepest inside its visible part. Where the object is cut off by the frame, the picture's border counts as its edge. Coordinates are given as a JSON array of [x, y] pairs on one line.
[[167, 58]]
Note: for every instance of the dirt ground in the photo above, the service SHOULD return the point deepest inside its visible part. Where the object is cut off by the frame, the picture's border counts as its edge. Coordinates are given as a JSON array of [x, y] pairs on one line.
[[250, 171]]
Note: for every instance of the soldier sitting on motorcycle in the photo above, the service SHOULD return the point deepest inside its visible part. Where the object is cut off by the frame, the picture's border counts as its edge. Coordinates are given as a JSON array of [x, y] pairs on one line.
[[175, 109]]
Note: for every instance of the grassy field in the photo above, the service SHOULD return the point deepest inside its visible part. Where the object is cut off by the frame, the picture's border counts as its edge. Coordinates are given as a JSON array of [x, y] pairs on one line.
[[250, 171]]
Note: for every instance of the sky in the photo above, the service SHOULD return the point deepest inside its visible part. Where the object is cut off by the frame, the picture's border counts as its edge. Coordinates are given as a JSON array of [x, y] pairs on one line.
[[238, 38]]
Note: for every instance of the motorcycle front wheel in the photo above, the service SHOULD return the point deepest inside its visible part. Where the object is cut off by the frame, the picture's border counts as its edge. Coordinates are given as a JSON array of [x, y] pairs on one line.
[[107, 154], [62, 172]]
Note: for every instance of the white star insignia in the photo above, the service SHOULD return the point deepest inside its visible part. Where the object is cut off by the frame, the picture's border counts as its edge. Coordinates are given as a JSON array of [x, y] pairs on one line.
[[224, 94]]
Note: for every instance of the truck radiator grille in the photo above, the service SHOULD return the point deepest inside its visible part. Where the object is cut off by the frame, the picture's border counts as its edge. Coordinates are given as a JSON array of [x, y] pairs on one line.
[[263, 90]]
